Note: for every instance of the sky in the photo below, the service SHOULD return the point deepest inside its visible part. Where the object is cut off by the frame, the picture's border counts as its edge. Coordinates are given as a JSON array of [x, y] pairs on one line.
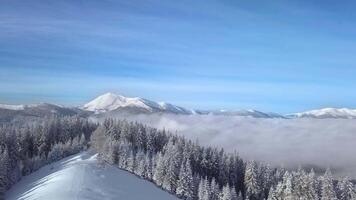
[[282, 56]]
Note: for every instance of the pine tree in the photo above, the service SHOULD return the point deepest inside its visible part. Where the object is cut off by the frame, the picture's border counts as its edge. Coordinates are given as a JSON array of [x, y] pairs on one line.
[[214, 190], [172, 159], [311, 192], [327, 187], [160, 170], [226, 193], [204, 190], [201, 190], [278, 192], [185, 182], [300, 183], [149, 167], [233, 193], [346, 190], [131, 164], [141, 169], [288, 188], [251, 181], [240, 197], [272, 194], [3, 173]]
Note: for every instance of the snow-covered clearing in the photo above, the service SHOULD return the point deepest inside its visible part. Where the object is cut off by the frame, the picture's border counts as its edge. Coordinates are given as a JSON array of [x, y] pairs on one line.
[[81, 177]]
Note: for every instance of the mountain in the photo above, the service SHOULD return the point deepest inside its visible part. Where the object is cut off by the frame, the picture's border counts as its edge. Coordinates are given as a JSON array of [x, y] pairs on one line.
[[82, 176], [12, 107], [242, 113], [14, 113], [110, 102], [113, 103], [337, 113]]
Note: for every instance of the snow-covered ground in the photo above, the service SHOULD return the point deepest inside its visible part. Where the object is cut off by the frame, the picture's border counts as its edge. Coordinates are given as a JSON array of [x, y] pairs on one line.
[[81, 177]]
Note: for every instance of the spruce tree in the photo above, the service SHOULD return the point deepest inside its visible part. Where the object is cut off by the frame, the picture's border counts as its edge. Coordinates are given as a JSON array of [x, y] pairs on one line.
[[252, 186], [327, 187], [185, 182], [160, 170], [346, 190], [226, 193]]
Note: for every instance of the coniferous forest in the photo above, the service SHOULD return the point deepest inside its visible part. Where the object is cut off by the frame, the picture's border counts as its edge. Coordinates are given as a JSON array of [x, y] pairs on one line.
[[174, 163]]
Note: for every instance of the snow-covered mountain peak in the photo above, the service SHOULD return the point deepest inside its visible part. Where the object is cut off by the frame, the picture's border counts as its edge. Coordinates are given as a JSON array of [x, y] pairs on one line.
[[110, 102], [344, 113]]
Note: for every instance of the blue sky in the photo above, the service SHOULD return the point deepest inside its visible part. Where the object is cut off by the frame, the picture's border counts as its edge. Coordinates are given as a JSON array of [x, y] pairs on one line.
[[281, 56]]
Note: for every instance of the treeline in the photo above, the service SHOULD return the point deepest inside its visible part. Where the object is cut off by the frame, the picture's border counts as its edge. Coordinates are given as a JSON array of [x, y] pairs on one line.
[[194, 172], [24, 149]]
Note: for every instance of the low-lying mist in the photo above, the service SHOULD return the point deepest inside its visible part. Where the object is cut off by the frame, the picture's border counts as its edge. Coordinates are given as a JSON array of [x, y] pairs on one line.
[[288, 142]]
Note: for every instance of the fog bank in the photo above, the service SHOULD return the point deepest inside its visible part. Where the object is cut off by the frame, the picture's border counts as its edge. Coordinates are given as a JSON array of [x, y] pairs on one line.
[[288, 142]]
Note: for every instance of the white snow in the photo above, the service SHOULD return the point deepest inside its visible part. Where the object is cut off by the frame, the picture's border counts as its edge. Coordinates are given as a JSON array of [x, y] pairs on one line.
[[23, 107], [111, 101], [327, 113], [12, 107], [81, 177]]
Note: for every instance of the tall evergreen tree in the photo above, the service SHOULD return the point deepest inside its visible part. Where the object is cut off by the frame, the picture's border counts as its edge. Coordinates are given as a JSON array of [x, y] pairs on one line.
[[226, 193], [160, 170], [346, 190], [252, 186], [327, 187], [185, 182]]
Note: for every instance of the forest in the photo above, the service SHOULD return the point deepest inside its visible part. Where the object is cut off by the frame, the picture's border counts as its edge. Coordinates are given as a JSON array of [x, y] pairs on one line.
[[177, 165]]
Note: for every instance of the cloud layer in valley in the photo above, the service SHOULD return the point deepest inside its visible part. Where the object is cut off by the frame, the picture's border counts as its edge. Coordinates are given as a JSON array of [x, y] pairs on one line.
[[288, 142]]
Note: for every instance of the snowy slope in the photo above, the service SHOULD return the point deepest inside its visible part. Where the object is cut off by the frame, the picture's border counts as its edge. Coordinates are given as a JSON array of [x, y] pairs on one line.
[[342, 113], [110, 102], [80, 177]]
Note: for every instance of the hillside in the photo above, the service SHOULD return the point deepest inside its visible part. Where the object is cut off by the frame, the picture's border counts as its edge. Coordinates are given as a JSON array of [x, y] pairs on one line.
[[81, 177]]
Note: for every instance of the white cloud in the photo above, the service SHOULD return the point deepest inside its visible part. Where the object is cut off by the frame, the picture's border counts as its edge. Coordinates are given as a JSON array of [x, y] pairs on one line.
[[322, 143]]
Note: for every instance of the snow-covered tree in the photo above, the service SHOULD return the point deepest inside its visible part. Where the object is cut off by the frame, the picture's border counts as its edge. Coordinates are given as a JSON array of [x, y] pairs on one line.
[[346, 190], [173, 159], [141, 169], [204, 190], [214, 190], [4, 160], [160, 170], [272, 194], [185, 182], [226, 193], [131, 163], [252, 186], [327, 187], [311, 192], [288, 188], [233, 193]]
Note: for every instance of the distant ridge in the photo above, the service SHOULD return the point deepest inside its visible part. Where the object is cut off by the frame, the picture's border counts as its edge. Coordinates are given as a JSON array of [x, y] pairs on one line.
[[109, 102], [336, 113], [114, 103]]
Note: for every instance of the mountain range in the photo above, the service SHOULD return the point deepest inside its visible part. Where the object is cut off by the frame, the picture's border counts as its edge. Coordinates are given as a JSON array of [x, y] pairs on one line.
[[111, 103]]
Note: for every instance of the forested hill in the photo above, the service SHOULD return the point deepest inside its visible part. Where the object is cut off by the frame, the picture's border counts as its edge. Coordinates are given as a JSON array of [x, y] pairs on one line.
[[175, 164], [191, 171]]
